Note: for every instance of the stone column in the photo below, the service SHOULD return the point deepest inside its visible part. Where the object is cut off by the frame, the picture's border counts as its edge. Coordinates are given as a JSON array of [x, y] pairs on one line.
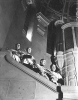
[[59, 44], [70, 69]]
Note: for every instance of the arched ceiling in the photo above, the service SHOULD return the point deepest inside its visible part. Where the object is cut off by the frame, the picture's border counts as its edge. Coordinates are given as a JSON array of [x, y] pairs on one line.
[[55, 9]]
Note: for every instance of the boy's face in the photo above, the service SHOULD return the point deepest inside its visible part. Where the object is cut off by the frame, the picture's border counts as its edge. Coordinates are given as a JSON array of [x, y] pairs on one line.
[[43, 62], [54, 67], [29, 50], [18, 46]]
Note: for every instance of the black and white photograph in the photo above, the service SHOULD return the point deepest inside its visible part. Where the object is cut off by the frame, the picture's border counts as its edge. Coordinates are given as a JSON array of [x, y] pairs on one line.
[[38, 50]]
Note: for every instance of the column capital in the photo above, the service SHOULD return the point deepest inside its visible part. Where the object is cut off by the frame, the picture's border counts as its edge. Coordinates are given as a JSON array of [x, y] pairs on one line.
[[59, 22]]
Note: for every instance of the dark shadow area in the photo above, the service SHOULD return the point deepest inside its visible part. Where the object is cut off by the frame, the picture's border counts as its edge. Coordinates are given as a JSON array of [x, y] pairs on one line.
[[60, 95], [31, 67]]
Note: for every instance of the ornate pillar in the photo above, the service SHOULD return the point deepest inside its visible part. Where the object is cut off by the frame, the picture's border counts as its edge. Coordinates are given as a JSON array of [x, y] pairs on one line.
[[59, 44], [70, 44]]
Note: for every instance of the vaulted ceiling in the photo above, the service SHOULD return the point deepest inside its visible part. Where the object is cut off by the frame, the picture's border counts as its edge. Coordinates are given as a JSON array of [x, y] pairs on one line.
[[55, 9]]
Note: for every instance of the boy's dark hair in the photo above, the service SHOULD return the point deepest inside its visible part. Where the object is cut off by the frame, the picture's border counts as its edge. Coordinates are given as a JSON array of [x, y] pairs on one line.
[[57, 69], [41, 61], [16, 45], [27, 49]]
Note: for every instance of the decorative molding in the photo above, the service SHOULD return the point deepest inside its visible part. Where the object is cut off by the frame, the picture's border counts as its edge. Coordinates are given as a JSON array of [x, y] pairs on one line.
[[71, 24], [43, 23], [40, 31], [59, 22], [42, 19]]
